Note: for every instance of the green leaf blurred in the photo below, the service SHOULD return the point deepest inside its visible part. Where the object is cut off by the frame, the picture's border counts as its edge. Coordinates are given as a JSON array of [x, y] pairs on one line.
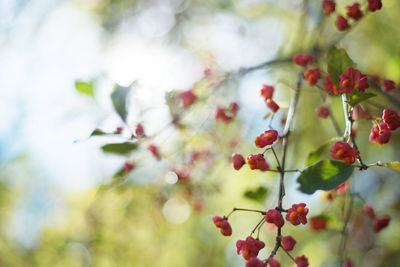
[[97, 132], [356, 97], [394, 165], [86, 88], [338, 63], [257, 195], [119, 148], [325, 175], [119, 100]]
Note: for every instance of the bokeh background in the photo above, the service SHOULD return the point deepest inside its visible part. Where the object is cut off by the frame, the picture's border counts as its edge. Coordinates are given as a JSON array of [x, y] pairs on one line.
[[55, 207]]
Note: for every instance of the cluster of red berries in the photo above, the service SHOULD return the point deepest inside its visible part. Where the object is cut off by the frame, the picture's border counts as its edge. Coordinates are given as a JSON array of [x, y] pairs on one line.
[[256, 161], [250, 247], [379, 222], [312, 75], [349, 81], [267, 93], [353, 12], [344, 152], [226, 115], [381, 133]]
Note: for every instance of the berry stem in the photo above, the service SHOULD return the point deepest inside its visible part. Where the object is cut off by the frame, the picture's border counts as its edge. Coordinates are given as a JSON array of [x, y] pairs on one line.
[[241, 209]]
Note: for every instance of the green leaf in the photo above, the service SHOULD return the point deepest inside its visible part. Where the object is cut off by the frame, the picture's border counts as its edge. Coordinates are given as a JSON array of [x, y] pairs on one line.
[[119, 100], [119, 148], [98, 132], [325, 175], [357, 97], [394, 165], [316, 155], [338, 63], [258, 195], [86, 88]]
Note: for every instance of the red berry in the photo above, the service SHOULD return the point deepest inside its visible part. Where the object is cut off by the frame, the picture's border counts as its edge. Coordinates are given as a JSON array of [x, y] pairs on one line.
[[391, 118], [255, 262], [330, 86], [237, 161], [187, 98], [347, 263], [273, 263], [381, 223], [154, 150], [267, 91], [312, 76], [139, 131], [288, 243], [303, 59], [301, 261], [222, 223], [369, 210], [344, 152], [221, 115], [354, 11], [128, 167], [249, 248], [318, 223], [341, 189], [207, 71], [266, 139], [234, 107], [374, 5], [275, 217], [388, 85], [272, 105], [381, 134], [353, 79], [328, 6], [257, 161], [342, 24], [297, 214], [322, 112]]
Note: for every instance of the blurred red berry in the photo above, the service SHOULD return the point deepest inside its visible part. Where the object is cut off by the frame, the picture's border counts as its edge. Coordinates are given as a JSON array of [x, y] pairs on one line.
[[297, 214], [381, 222], [272, 105], [154, 150], [222, 223], [255, 262], [312, 76], [267, 91], [359, 112], [301, 261], [249, 248], [342, 24], [347, 263], [257, 161], [207, 71], [388, 85], [354, 11], [374, 5], [344, 152], [303, 59], [328, 6], [187, 98], [318, 223], [265, 139], [352, 80], [330, 86], [237, 161], [273, 263], [118, 130], [275, 217], [391, 118], [139, 131], [128, 167], [288, 243], [322, 112], [369, 210], [381, 134]]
